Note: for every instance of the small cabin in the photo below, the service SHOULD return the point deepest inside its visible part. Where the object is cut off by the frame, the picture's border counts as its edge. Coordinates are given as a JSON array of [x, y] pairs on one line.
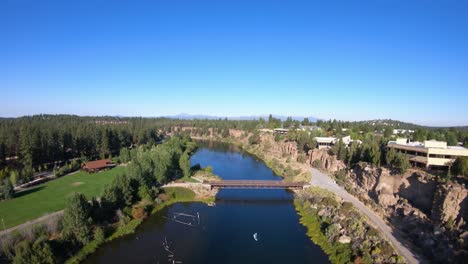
[[97, 165]]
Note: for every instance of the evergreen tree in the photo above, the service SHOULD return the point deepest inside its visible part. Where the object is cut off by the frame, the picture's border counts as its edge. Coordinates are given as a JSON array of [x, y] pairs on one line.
[[388, 132], [77, 218], [342, 151], [390, 156], [460, 166], [6, 190], [184, 164]]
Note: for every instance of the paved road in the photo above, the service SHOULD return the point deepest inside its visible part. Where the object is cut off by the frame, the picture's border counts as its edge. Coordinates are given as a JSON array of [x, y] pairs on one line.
[[322, 180]]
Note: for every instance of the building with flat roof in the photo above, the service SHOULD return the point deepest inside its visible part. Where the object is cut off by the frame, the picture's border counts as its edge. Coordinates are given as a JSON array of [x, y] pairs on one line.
[[325, 142], [281, 130], [430, 154], [328, 142]]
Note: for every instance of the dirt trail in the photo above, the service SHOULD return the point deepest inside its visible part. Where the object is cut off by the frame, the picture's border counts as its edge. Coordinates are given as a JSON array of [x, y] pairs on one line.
[[322, 180]]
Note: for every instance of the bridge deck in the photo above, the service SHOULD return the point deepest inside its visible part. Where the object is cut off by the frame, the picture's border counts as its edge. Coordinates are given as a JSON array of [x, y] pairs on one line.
[[255, 184]]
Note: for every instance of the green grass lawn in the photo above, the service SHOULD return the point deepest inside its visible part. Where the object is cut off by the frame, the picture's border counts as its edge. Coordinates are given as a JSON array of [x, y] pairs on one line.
[[52, 196]]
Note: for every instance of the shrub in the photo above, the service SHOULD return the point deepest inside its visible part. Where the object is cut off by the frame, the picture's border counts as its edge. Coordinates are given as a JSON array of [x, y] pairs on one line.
[[301, 158], [6, 190], [145, 193], [138, 212], [317, 164], [116, 160], [99, 235], [278, 137], [254, 139], [163, 197], [38, 252], [208, 169]]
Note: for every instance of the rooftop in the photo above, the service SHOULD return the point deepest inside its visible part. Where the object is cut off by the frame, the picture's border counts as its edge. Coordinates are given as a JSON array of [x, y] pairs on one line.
[[433, 144], [325, 139], [98, 164]]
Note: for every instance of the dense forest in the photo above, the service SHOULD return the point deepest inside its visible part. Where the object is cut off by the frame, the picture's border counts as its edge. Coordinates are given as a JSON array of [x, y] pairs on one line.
[[35, 143]]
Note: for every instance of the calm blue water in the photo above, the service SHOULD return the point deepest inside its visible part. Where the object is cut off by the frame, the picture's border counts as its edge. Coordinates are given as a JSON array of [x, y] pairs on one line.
[[223, 233]]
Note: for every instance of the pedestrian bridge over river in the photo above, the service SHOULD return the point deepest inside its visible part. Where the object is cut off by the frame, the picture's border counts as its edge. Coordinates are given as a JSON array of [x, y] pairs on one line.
[[256, 184]]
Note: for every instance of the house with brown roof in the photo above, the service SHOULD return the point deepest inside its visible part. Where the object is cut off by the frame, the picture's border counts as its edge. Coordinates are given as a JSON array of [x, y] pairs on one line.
[[97, 165]]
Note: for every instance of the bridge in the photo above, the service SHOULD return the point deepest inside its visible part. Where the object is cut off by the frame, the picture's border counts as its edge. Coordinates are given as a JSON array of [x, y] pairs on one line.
[[255, 184]]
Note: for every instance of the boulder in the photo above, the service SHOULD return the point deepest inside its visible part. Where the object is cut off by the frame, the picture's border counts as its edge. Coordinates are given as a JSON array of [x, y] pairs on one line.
[[344, 239]]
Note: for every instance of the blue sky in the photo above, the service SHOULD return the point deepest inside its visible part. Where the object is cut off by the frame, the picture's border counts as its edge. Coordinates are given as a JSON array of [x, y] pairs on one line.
[[350, 60]]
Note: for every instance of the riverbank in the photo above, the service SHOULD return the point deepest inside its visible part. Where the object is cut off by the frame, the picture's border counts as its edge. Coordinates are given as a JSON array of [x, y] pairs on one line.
[[172, 195], [341, 230], [281, 165]]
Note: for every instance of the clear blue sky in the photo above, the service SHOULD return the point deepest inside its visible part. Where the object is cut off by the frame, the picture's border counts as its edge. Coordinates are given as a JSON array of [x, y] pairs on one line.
[[350, 60]]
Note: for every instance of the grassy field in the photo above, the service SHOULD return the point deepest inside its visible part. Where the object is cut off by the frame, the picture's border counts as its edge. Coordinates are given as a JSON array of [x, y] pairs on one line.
[[52, 196]]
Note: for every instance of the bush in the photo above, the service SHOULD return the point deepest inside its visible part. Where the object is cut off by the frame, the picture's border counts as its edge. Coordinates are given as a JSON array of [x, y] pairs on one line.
[[145, 193], [301, 158], [116, 160], [38, 252], [138, 212], [6, 190], [317, 164], [254, 139], [278, 137], [460, 166], [99, 235], [208, 169]]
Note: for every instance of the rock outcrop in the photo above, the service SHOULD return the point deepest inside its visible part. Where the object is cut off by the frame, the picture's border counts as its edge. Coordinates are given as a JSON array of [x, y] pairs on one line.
[[450, 204], [289, 148], [430, 213], [328, 162]]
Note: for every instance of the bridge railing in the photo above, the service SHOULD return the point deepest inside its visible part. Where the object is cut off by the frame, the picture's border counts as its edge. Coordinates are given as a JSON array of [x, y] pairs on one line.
[[254, 184]]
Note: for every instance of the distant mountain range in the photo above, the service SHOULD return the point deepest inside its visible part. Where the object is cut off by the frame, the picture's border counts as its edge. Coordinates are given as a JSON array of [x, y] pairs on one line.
[[253, 117]]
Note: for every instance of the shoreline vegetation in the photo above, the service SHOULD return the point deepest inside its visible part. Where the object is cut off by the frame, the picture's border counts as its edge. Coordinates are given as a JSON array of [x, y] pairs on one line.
[[341, 230]]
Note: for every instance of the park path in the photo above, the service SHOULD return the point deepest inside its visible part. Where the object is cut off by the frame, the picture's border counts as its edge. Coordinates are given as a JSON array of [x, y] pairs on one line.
[[42, 219], [322, 180]]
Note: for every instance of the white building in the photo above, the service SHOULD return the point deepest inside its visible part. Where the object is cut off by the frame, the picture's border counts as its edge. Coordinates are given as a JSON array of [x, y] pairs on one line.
[[328, 142], [430, 154], [402, 131]]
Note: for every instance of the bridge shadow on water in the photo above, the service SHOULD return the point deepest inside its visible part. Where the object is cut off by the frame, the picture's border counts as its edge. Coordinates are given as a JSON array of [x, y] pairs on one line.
[[255, 196]]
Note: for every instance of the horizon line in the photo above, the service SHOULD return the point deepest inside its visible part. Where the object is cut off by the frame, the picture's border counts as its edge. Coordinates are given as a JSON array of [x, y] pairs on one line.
[[254, 116]]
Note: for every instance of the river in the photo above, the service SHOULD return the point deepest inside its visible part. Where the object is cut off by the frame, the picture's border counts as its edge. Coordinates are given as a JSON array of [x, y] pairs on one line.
[[223, 233]]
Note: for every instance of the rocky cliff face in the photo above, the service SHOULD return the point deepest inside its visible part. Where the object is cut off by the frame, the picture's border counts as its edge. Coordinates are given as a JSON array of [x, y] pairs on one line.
[[289, 148], [328, 162], [432, 214], [450, 204], [385, 188]]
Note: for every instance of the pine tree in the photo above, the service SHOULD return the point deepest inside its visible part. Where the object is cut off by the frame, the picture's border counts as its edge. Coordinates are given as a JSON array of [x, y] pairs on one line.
[[184, 163], [77, 218]]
